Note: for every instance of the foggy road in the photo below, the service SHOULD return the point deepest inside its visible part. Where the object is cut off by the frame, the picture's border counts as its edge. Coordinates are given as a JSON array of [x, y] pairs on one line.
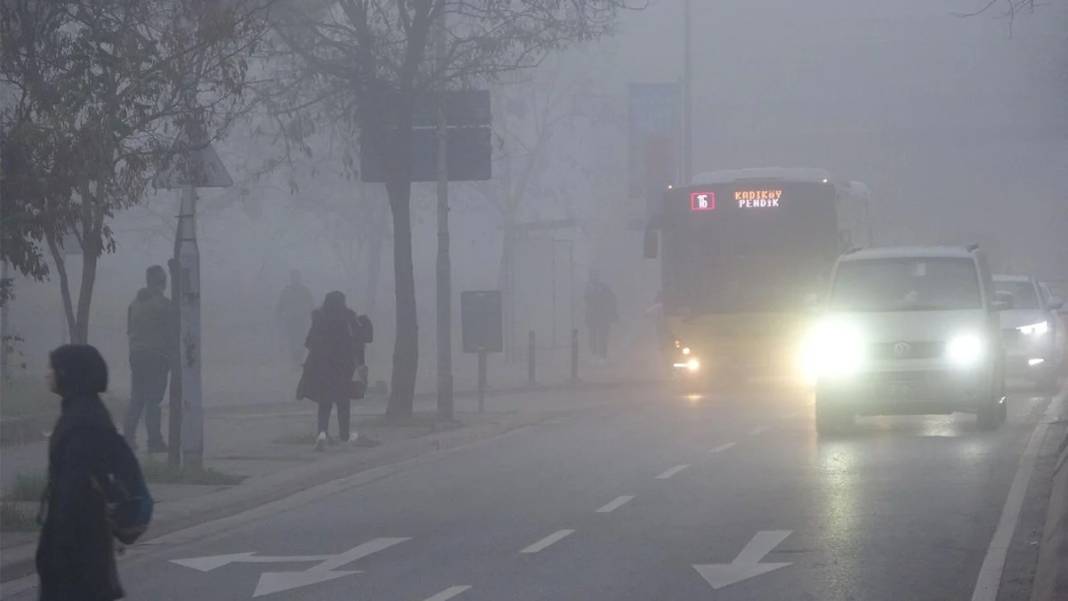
[[623, 502]]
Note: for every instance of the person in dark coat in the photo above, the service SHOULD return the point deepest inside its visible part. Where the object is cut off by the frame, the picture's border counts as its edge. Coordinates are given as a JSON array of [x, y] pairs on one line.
[[76, 554], [335, 345], [150, 329]]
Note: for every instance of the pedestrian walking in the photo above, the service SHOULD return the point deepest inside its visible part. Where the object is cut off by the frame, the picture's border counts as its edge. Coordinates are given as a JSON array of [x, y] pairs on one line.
[[601, 313], [332, 374], [150, 329], [76, 553], [294, 308]]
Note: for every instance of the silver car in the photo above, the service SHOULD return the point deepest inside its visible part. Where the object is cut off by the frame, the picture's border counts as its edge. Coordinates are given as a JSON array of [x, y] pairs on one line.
[[1029, 330]]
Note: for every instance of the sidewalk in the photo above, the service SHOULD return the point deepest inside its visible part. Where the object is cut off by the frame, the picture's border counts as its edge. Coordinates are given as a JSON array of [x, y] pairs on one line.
[[271, 447]]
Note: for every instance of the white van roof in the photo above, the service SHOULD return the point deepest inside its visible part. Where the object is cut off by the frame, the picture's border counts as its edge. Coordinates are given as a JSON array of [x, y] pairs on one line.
[[909, 252]]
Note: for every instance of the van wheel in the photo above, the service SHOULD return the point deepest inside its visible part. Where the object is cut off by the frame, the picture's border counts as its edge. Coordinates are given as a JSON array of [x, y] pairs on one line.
[[991, 416], [831, 418]]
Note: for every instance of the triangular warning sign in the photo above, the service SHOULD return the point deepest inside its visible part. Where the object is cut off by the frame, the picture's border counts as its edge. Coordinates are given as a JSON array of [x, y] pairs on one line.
[[199, 167]]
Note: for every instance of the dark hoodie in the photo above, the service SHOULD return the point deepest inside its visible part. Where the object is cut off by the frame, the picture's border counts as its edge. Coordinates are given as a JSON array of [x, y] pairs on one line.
[[76, 556], [149, 322]]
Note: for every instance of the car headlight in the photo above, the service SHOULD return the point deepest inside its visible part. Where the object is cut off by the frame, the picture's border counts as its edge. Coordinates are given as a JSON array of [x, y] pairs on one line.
[[834, 348], [965, 350], [1035, 329]]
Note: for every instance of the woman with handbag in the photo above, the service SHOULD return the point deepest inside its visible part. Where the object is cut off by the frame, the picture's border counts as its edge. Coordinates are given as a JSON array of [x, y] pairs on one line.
[[335, 349]]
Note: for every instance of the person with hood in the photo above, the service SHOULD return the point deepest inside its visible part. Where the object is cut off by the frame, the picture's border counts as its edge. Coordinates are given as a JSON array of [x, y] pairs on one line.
[[335, 345], [75, 553], [150, 330]]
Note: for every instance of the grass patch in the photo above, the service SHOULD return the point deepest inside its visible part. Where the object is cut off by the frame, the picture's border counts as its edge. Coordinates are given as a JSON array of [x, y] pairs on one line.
[[17, 517], [28, 487], [162, 473]]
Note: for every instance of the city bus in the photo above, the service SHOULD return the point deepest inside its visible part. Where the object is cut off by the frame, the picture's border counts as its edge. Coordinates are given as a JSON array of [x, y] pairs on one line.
[[745, 255]]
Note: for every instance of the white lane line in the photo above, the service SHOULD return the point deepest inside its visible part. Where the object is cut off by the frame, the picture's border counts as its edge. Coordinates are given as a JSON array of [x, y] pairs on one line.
[[544, 543], [721, 448], [448, 593], [671, 472], [989, 580], [758, 430], [616, 504]]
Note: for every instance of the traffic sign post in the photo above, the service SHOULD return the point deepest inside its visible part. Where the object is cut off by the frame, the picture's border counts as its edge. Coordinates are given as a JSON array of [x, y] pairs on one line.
[[198, 166], [481, 325]]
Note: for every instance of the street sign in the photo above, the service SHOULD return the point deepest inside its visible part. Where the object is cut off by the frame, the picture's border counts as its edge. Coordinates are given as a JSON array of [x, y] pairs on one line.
[[481, 323], [326, 567], [194, 164], [467, 156], [469, 149], [748, 562]]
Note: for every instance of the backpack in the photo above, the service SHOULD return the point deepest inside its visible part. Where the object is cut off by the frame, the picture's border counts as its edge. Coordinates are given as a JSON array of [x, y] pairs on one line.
[[126, 495]]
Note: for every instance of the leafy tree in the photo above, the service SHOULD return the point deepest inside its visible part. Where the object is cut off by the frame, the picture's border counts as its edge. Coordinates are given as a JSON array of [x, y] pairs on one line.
[[100, 89]]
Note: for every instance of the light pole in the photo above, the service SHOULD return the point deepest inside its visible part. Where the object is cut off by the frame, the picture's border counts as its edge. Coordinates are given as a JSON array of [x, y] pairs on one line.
[[687, 97]]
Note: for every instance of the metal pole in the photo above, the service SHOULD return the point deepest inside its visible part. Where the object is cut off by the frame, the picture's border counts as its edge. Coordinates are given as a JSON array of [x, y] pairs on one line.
[[174, 426], [553, 246], [531, 373], [687, 98], [481, 381], [574, 356], [444, 261], [5, 326], [189, 337]]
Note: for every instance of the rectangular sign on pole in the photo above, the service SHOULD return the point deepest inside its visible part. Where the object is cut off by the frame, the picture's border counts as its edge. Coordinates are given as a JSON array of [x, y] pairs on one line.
[[481, 322], [653, 128]]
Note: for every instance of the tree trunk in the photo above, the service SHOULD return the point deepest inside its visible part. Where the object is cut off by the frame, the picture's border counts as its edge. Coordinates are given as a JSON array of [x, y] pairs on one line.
[[406, 349]]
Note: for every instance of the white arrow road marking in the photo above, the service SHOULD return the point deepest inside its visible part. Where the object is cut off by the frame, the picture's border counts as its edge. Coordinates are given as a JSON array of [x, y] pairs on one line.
[[544, 543], [276, 582], [747, 565], [721, 448], [671, 472], [207, 564], [448, 593], [616, 503]]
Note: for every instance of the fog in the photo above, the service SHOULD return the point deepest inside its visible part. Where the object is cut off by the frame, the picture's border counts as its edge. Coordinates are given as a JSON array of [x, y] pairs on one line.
[[958, 126]]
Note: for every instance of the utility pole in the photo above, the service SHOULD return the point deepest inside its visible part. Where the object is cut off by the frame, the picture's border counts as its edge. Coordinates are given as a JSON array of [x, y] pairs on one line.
[[687, 97], [444, 261], [187, 258]]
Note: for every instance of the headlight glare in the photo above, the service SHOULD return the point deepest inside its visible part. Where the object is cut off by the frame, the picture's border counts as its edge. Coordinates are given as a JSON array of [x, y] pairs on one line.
[[1035, 329], [965, 350], [834, 348]]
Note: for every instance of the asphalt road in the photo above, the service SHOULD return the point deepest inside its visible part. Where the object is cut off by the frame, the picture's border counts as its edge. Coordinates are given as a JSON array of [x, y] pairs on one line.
[[620, 503]]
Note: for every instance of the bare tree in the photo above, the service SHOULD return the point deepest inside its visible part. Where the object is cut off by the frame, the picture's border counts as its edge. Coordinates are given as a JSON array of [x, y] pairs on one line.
[[369, 59]]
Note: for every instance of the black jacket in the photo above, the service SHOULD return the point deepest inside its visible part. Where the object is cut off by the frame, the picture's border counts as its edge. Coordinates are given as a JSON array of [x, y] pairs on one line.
[[335, 348], [76, 555]]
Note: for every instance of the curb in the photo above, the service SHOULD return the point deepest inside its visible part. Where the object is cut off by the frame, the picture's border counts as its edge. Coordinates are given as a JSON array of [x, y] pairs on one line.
[[1051, 576]]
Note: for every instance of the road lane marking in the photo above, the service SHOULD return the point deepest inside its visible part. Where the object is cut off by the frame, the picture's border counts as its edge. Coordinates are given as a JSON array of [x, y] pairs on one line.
[[758, 430], [748, 563], [721, 448], [989, 580], [616, 504], [448, 593], [546, 542], [671, 472]]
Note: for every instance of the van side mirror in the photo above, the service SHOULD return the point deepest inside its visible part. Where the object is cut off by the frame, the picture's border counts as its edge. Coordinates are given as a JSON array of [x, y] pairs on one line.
[[1056, 304], [651, 243], [1003, 301]]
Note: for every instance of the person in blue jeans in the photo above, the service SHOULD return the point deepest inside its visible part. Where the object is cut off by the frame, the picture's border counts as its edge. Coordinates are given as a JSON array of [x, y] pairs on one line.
[[150, 330]]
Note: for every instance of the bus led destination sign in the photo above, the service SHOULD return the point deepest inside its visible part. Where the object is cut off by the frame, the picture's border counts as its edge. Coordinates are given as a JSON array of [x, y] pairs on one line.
[[762, 198]]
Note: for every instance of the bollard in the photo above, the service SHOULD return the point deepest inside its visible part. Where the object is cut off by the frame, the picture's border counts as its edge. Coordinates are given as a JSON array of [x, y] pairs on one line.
[[481, 381], [574, 356], [531, 367]]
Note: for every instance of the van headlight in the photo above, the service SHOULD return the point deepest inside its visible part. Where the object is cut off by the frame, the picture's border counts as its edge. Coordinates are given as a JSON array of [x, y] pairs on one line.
[[833, 349], [1035, 329], [965, 350]]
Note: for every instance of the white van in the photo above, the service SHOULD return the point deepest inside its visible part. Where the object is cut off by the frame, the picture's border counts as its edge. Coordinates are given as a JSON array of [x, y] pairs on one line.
[[909, 330]]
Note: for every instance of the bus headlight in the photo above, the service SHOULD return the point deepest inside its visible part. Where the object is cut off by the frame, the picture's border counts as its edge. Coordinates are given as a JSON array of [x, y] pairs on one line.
[[833, 349], [964, 350]]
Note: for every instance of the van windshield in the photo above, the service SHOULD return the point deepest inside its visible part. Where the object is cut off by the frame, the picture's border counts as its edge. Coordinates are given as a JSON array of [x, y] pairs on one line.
[[906, 284]]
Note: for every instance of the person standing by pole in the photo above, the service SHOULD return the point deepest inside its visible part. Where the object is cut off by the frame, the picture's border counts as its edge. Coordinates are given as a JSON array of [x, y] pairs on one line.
[[149, 329]]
